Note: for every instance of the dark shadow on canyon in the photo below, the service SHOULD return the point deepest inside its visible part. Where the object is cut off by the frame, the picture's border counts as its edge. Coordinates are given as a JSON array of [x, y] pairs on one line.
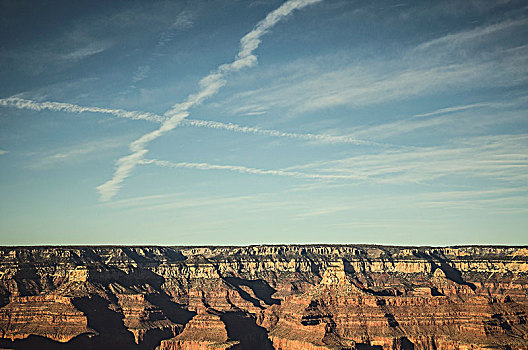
[[174, 311], [244, 329], [111, 331], [450, 272], [261, 289]]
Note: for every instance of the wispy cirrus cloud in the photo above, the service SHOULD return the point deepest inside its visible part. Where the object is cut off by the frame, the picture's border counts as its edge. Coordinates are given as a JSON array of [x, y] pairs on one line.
[[89, 50], [474, 36], [73, 154], [477, 117], [184, 20], [252, 203], [500, 158], [78, 35], [511, 200], [209, 86], [431, 67], [369, 84], [35, 60]]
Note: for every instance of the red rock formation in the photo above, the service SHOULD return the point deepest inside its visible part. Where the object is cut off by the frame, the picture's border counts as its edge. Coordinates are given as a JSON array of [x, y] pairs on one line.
[[140, 316], [48, 316], [303, 297], [338, 314]]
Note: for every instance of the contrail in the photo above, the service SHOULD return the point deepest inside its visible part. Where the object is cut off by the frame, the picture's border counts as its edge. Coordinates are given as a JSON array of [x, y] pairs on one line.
[[209, 86], [247, 170], [21, 103], [276, 133]]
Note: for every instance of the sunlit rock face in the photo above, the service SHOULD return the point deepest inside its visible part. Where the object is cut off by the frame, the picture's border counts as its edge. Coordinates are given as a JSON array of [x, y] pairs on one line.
[[264, 297]]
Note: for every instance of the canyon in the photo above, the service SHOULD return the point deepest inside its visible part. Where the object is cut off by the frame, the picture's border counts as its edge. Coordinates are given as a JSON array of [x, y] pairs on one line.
[[283, 297]]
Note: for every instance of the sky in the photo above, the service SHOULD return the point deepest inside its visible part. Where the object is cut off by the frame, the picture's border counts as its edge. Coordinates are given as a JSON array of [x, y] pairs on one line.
[[228, 122]]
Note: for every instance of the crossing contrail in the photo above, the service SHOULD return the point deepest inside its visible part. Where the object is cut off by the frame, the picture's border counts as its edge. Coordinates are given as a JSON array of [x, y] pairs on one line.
[[209, 86], [21, 103]]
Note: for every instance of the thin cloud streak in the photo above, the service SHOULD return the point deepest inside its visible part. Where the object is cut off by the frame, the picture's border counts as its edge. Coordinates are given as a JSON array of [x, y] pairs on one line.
[[89, 50], [516, 102], [479, 33], [452, 109], [248, 170], [21, 103], [172, 201], [253, 202], [209, 86]]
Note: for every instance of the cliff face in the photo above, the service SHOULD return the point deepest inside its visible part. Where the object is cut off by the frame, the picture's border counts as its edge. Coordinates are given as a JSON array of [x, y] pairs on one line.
[[264, 297]]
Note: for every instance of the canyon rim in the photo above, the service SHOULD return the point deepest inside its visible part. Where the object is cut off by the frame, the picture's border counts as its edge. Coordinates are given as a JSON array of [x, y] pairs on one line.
[[283, 297]]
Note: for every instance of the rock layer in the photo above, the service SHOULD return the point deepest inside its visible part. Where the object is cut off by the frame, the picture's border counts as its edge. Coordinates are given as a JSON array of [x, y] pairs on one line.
[[264, 297]]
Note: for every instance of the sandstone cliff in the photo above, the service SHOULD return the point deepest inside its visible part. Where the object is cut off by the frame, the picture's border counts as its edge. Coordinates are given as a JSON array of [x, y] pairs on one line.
[[264, 297]]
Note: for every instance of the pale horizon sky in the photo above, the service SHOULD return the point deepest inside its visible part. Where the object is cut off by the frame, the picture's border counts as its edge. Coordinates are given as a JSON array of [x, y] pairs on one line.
[[230, 122]]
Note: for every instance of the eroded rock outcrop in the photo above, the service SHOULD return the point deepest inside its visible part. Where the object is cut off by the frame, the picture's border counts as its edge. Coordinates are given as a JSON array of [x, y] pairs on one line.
[[141, 317], [49, 316], [205, 331], [264, 297]]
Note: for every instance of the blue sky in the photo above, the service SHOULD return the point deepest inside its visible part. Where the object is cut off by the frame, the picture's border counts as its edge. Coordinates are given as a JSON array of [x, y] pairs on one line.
[[248, 122]]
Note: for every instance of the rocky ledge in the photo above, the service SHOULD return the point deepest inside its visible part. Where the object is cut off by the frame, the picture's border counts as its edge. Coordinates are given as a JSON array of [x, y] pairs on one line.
[[281, 297]]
